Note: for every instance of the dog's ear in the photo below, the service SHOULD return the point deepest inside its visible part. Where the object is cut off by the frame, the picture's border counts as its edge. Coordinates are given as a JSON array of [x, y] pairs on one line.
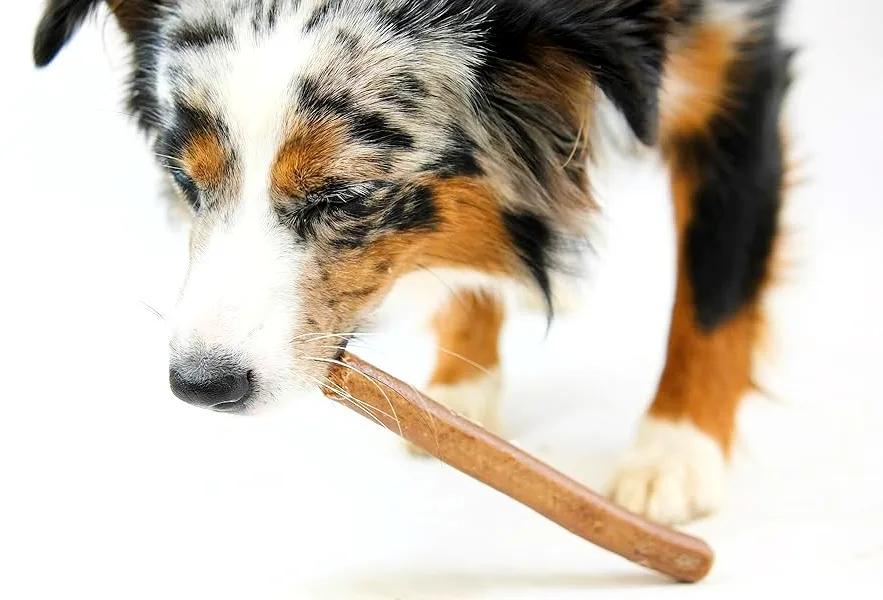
[[620, 43], [61, 20]]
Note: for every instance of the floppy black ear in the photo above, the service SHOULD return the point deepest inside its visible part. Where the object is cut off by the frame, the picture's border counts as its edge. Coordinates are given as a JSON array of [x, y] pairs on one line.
[[621, 43], [60, 22]]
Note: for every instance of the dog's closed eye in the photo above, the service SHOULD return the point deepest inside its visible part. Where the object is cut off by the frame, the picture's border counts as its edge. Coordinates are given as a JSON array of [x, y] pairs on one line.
[[187, 186], [334, 203]]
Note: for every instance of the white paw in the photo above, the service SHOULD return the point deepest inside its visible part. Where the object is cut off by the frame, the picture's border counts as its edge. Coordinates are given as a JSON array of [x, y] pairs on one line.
[[674, 474], [475, 399]]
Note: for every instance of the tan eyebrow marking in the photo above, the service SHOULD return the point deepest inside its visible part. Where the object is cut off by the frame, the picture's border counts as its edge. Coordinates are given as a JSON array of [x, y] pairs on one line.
[[303, 162], [205, 159]]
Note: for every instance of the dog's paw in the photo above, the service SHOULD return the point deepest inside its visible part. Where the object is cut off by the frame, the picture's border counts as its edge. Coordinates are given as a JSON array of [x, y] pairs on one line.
[[475, 399], [674, 474]]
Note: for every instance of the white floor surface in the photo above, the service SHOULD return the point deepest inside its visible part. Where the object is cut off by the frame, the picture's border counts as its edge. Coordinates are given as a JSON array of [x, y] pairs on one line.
[[110, 488]]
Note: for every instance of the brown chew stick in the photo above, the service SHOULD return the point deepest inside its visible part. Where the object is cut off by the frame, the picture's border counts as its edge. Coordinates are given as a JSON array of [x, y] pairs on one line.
[[500, 465]]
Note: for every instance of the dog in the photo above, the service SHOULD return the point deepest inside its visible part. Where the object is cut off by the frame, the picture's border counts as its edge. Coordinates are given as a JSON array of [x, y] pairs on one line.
[[328, 150]]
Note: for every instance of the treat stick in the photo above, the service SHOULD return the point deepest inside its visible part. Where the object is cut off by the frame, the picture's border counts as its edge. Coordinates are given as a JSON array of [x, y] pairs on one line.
[[485, 457]]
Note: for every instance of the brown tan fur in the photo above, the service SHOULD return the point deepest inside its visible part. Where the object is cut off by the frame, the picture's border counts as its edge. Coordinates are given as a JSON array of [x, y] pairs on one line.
[[303, 161], [204, 160], [467, 331], [700, 66], [470, 233], [314, 153]]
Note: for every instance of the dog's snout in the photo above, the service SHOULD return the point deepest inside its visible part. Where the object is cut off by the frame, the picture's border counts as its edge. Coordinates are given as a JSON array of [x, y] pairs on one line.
[[211, 383]]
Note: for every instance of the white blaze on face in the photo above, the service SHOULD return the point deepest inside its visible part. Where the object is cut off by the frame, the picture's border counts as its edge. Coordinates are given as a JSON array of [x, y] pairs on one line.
[[240, 297]]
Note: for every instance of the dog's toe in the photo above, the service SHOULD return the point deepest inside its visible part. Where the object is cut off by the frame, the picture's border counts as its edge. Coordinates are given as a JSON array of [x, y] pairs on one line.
[[674, 474]]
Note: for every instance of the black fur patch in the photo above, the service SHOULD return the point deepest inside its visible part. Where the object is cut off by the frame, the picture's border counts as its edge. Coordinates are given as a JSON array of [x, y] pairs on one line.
[[141, 99], [347, 214], [187, 123], [410, 208], [348, 40], [63, 17], [532, 238], [458, 159], [201, 36], [272, 14], [621, 44], [688, 12], [375, 129], [736, 207], [145, 37], [401, 20], [405, 91], [60, 21], [513, 114], [321, 14], [365, 126], [312, 99]]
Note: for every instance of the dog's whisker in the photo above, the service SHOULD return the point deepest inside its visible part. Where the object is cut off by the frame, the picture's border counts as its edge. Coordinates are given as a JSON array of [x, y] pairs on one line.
[[440, 280], [394, 416], [425, 409], [174, 159], [153, 311], [471, 363], [340, 390], [315, 337], [430, 422], [438, 347], [366, 376], [364, 406], [333, 347], [345, 396]]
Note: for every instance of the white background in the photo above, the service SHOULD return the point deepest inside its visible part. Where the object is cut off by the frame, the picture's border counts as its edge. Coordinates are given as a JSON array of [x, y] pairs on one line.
[[111, 488]]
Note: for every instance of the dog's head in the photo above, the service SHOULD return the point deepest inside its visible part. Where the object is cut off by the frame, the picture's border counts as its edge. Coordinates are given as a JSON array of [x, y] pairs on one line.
[[328, 148]]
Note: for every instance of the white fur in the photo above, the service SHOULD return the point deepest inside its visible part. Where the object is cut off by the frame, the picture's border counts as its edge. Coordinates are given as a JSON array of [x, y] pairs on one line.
[[475, 399], [424, 292], [611, 135], [735, 13], [241, 292], [674, 474]]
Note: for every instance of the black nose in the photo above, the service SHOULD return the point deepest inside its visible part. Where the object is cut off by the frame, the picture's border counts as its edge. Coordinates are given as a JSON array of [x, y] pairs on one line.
[[222, 388]]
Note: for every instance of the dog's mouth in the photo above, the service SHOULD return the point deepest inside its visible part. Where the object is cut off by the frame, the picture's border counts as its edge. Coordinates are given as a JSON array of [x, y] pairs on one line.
[[232, 407], [241, 407], [341, 350]]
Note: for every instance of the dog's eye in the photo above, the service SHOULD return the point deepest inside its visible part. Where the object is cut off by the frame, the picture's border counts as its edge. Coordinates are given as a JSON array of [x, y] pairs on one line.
[[335, 202], [187, 186]]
